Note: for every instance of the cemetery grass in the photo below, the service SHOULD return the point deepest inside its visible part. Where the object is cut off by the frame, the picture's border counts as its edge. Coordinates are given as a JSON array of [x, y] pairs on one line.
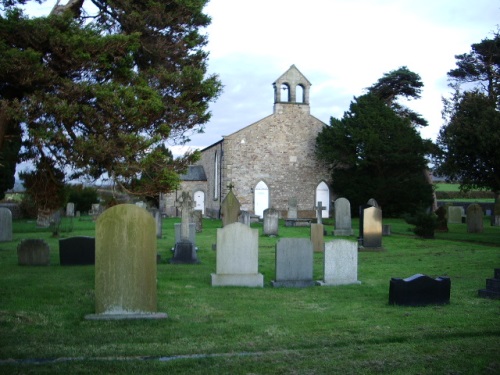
[[229, 330]]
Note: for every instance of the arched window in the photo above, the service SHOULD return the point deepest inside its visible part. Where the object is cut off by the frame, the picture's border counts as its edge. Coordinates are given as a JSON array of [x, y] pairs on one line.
[[261, 198], [299, 94], [323, 196], [216, 176], [285, 93]]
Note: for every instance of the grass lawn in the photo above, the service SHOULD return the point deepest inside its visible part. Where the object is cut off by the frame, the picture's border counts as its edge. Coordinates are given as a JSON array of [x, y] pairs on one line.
[[232, 330]]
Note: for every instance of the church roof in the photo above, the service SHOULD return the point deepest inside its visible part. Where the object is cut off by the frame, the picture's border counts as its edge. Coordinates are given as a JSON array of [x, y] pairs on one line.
[[194, 173]]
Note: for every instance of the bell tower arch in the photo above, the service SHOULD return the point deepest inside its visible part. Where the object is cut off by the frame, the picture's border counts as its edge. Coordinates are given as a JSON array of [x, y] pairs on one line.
[[292, 87]]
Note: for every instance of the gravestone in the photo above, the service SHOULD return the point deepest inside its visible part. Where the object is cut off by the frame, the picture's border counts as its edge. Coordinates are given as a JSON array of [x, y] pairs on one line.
[[237, 259], [372, 202], [317, 237], [95, 211], [455, 214], [33, 252], [340, 263], [230, 208], [141, 204], [292, 208], [419, 290], [271, 220], [125, 264], [158, 222], [495, 218], [492, 286], [244, 218], [343, 222], [319, 212], [474, 218], [192, 233], [185, 250], [79, 250], [5, 225], [442, 220], [43, 218], [371, 228], [70, 209], [197, 218], [294, 263]]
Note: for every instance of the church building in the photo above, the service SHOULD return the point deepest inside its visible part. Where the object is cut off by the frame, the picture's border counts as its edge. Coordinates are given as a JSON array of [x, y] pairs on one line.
[[268, 163]]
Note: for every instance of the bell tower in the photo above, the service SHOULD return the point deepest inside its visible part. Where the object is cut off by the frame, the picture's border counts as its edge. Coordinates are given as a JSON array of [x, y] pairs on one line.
[[291, 88]]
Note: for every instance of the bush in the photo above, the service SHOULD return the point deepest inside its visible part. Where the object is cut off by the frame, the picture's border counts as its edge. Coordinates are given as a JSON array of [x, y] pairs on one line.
[[464, 195], [425, 223], [82, 197]]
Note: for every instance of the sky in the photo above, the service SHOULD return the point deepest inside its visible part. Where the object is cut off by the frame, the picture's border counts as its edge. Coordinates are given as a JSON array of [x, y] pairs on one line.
[[340, 46]]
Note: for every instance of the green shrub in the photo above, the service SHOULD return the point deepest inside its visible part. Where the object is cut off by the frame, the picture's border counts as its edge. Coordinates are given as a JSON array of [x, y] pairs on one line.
[[82, 197], [425, 223]]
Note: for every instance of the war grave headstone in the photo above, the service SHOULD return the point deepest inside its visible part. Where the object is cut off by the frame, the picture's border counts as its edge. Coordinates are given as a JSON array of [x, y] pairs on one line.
[[294, 263], [78, 250], [474, 219], [5, 225], [197, 218], [237, 257], [33, 252], [244, 218], [442, 219], [455, 214], [271, 220], [343, 222], [185, 250], [70, 209], [370, 229], [230, 208], [419, 290], [125, 265], [492, 289], [317, 237], [340, 263]]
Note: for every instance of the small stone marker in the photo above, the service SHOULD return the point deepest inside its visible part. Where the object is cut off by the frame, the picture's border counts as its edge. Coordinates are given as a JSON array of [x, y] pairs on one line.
[[492, 287], [371, 229], [70, 209], [419, 290], [455, 214], [474, 218], [372, 202], [317, 237], [43, 218], [33, 252], [5, 225], [230, 208], [271, 217], [237, 259], [343, 222], [125, 265], [79, 250], [341, 263], [319, 212], [294, 263]]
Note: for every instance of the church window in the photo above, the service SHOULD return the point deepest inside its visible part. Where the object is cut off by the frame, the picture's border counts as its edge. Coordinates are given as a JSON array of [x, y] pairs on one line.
[[216, 176], [285, 92], [300, 94]]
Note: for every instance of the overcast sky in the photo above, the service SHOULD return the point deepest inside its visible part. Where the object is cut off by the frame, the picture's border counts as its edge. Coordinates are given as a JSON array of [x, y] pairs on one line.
[[341, 46]]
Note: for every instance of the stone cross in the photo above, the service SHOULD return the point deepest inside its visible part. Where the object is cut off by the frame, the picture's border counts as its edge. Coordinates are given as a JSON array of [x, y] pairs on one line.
[[185, 203], [319, 212]]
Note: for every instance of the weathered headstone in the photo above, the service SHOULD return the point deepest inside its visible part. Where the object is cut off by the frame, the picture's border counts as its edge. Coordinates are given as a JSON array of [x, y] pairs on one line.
[[158, 222], [294, 263], [340, 263], [292, 208], [43, 218], [419, 290], [70, 209], [192, 233], [372, 202], [79, 250], [237, 259], [184, 250], [455, 214], [343, 222], [474, 218], [230, 208], [371, 228], [125, 265], [319, 212], [317, 237], [95, 211], [5, 225], [197, 218], [244, 218], [33, 252], [271, 220]]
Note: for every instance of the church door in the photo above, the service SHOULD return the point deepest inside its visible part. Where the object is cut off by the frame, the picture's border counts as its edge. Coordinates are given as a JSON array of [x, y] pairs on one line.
[[323, 196], [199, 201], [261, 198]]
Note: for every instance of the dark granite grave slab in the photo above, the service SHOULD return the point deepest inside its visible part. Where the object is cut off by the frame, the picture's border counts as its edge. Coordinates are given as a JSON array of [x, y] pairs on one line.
[[77, 251], [492, 287], [184, 253], [419, 290]]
